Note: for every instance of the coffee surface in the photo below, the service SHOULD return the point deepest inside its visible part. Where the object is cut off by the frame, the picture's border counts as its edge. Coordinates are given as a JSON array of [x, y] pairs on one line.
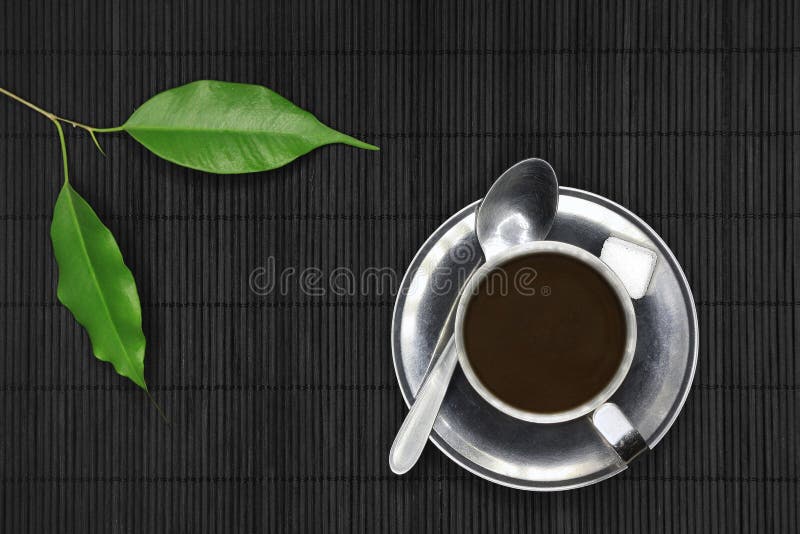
[[549, 340]]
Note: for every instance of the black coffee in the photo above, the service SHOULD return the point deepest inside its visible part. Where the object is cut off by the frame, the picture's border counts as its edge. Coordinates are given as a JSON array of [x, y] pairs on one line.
[[544, 332]]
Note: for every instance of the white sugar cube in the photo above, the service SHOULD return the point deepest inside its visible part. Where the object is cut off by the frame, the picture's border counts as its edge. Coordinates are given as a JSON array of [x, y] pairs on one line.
[[633, 264]]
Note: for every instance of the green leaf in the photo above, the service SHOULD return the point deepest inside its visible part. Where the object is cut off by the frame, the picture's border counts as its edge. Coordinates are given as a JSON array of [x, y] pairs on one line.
[[96, 286], [229, 128]]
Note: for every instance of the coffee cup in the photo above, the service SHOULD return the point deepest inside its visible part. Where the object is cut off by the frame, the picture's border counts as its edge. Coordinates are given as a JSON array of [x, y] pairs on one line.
[[517, 365]]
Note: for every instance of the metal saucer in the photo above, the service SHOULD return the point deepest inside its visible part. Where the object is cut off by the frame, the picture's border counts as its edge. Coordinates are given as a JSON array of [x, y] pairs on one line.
[[561, 456]]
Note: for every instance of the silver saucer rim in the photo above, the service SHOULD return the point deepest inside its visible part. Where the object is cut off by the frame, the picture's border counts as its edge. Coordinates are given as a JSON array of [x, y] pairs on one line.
[[668, 422]]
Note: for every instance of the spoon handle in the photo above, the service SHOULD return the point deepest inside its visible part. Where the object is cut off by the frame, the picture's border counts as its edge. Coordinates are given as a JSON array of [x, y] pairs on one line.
[[413, 434]]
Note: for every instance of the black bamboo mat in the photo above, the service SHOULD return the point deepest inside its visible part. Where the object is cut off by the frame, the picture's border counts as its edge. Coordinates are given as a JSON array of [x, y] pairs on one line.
[[283, 406]]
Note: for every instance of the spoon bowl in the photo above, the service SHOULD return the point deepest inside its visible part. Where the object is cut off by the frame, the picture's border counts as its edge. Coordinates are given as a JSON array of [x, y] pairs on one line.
[[520, 207]]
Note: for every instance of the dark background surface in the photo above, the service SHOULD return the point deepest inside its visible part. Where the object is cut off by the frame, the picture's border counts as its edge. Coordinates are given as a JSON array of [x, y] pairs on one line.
[[283, 407]]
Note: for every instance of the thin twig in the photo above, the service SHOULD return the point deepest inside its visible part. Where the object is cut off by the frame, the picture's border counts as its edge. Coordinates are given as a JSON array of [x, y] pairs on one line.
[[31, 105], [53, 117]]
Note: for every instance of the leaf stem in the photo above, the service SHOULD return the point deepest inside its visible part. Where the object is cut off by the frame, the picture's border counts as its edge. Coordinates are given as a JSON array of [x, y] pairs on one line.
[[63, 149], [55, 118], [157, 406], [108, 130]]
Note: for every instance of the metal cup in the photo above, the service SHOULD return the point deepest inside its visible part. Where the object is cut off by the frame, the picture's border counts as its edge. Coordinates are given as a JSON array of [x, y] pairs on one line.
[[607, 418]]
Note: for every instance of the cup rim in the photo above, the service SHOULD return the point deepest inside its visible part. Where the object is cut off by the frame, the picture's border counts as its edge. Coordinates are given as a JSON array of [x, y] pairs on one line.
[[608, 275]]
